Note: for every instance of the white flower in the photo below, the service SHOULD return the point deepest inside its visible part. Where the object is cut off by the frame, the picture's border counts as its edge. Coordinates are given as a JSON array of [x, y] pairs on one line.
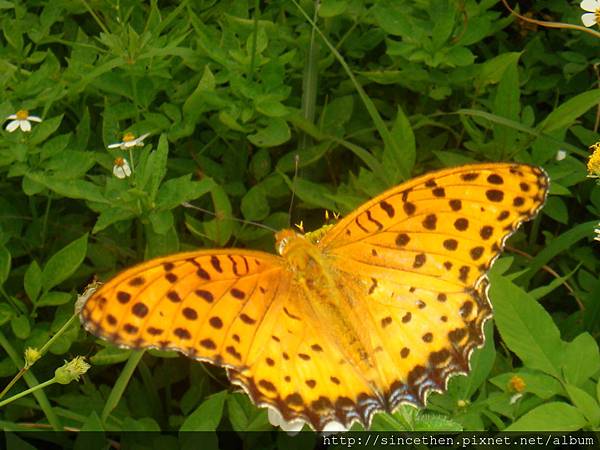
[[592, 17], [560, 155], [21, 119], [121, 168], [597, 231], [129, 140]]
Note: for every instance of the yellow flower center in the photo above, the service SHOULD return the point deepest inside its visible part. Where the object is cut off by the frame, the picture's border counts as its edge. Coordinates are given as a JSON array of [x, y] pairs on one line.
[[119, 162], [593, 165], [517, 384], [597, 15], [128, 137], [22, 114]]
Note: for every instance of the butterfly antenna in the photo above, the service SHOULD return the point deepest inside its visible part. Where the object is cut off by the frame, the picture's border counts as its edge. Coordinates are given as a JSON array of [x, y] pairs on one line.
[[235, 219], [296, 164]]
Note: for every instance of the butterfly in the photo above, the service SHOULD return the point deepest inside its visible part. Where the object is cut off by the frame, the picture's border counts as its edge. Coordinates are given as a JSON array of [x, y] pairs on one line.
[[360, 316]]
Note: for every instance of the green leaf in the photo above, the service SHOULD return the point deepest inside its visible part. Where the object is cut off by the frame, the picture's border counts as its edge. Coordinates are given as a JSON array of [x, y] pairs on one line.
[[43, 130], [275, 133], [54, 298], [6, 313], [20, 326], [254, 204], [110, 355], [74, 189], [491, 71], [581, 359], [585, 403], [207, 416], [553, 416], [112, 215], [174, 192], [64, 263], [332, 8], [525, 327], [403, 134], [33, 281], [155, 168], [5, 263], [566, 114], [162, 221], [392, 17]]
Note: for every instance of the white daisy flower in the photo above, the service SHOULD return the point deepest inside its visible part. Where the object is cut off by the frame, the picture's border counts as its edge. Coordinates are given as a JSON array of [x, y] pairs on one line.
[[121, 168], [129, 140], [592, 17], [597, 231], [21, 119]]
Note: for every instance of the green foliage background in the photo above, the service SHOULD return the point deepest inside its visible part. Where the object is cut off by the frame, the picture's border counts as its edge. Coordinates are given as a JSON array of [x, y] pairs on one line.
[[235, 94]]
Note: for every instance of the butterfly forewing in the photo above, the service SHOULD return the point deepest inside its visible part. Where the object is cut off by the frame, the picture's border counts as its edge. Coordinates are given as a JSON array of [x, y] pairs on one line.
[[198, 303]]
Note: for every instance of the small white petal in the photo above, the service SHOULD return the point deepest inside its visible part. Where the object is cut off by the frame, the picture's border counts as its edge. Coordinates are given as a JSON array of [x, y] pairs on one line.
[[118, 172], [34, 118], [12, 126], [334, 427], [560, 155], [589, 19], [117, 145], [25, 125], [128, 144], [12, 116], [589, 5]]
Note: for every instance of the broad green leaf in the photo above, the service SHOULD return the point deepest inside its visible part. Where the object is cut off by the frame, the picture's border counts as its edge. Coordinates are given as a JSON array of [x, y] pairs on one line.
[[585, 403], [5, 263], [174, 192], [20, 325], [162, 221], [112, 215], [275, 133], [54, 298], [332, 8], [254, 204], [553, 416], [402, 133], [64, 263], [207, 416], [569, 111], [581, 359], [525, 327], [110, 355], [491, 71], [74, 189], [33, 281]]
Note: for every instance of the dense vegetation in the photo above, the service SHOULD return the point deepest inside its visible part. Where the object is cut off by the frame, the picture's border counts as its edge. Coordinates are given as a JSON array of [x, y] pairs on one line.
[[236, 96]]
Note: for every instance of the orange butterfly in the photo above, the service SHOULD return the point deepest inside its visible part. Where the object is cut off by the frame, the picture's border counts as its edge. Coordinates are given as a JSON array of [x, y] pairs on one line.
[[358, 317]]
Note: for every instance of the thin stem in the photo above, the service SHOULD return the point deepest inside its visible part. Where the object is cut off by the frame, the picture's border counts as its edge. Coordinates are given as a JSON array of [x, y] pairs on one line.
[[31, 381], [27, 392], [117, 392], [547, 24]]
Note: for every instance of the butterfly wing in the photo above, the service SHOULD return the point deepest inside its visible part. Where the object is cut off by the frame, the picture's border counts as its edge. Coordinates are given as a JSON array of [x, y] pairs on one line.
[[238, 309], [207, 305], [413, 260]]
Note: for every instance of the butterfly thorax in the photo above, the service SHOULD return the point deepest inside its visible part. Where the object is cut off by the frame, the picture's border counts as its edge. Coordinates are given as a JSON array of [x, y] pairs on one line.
[[312, 272]]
